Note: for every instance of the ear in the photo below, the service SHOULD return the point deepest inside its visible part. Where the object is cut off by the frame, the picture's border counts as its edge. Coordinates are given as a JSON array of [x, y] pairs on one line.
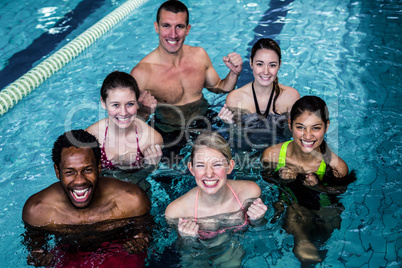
[[289, 124], [99, 167], [156, 27], [188, 29], [231, 166], [251, 63], [327, 126], [190, 168], [57, 171], [103, 103]]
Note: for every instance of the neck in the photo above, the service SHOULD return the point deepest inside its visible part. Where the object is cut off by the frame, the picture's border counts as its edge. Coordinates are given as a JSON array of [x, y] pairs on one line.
[[217, 199], [170, 58], [262, 89]]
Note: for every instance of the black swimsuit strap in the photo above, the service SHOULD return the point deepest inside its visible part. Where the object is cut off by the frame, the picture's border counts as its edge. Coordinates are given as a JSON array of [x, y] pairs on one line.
[[257, 108]]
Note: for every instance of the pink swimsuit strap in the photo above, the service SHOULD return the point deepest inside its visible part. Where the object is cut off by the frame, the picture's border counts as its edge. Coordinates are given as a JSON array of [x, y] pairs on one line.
[[203, 234], [106, 163], [196, 201]]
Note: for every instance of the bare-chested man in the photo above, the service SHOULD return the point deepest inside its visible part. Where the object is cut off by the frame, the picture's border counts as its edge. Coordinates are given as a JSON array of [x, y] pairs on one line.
[[175, 74], [81, 207]]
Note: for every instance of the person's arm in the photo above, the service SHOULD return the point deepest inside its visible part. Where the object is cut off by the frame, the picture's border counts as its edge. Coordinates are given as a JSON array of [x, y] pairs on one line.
[[35, 238], [256, 211], [212, 80], [146, 102]]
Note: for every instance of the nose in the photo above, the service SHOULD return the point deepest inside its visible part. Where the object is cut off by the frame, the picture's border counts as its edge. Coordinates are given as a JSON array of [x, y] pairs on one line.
[[209, 171], [123, 110], [173, 32], [307, 133], [79, 179]]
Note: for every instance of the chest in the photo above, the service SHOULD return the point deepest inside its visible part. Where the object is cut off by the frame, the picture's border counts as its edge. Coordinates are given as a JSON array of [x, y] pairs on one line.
[[172, 84]]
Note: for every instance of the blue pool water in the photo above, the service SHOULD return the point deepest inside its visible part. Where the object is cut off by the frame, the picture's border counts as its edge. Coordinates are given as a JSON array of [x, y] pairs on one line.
[[347, 52]]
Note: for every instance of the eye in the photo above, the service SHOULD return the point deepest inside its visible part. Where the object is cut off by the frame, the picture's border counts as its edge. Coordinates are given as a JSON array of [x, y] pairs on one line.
[[88, 170], [181, 26], [316, 128], [130, 104], [272, 65], [259, 64], [300, 127]]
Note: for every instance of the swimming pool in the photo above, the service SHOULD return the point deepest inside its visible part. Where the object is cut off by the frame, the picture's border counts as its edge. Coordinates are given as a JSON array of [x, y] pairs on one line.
[[347, 52]]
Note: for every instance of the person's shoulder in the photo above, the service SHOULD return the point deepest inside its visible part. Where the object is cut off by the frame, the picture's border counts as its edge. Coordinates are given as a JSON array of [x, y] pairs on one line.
[[152, 136], [238, 96], [130, 197], [271, 154], [245, 189], [144, 66], [97, 128], [39, 208], [288, 96], [182, 206], [339, 165]]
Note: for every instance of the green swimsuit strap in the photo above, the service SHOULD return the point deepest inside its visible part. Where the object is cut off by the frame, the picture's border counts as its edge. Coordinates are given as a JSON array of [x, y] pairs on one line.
[[282, 156], [282, 160], [321, 170]]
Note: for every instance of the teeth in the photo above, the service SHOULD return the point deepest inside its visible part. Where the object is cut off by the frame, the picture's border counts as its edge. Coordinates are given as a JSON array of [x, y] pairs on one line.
[[172, 42], [210, 183], [308, 142], [80, 194]]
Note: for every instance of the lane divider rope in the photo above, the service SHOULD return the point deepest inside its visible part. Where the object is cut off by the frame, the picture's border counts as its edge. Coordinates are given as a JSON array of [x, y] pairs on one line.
[[24, 85]]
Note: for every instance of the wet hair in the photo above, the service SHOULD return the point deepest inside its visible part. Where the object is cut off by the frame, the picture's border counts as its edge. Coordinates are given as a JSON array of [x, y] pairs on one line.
[[211, 140], [173, 6], [270, 44], [79, 139], [119, 79]]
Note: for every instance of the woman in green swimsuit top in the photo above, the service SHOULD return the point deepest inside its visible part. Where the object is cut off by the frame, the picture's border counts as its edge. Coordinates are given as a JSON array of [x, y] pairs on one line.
[[310, 177], [308, 152]]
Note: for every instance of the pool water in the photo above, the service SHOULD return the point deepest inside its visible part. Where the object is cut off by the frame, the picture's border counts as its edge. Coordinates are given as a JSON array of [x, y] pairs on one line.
[[347, 52]]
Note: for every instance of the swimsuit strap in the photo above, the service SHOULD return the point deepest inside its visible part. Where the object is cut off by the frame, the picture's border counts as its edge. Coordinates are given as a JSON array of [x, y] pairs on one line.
[[282, 156], [321, 170], [104, 140], [196, 206], [236, 197], [138, 145], [282, 161], [257, 108], [196, 202]]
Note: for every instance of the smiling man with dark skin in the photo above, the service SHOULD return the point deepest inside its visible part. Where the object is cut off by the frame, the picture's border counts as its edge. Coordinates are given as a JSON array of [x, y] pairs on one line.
[[81, 198]]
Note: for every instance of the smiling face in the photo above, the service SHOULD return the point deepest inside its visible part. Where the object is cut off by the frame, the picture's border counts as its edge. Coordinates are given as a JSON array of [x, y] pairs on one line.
[[172, 29], [210, 169], [265, 65], [308, 131], [121, 106], [78, 175]]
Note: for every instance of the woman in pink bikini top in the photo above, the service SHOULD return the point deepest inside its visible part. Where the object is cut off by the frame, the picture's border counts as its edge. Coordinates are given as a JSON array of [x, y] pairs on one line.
[[210, 163], [127, 142]]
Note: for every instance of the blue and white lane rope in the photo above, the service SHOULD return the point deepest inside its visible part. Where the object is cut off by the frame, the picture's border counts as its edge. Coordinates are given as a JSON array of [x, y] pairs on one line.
[[24, 85]]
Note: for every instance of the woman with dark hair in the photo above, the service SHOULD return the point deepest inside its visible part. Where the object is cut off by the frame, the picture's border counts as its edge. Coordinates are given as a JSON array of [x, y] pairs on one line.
[[126, 141], [264, 95], [310, 177], [263, 103]]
